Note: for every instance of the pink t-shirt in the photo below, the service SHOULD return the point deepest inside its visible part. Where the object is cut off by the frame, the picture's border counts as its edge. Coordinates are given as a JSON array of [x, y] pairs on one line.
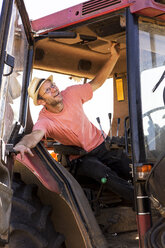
[[71, 126]]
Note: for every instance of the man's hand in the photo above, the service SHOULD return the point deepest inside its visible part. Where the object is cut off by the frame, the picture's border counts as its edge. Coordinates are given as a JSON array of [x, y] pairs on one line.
[[29, 141], [107, 68], [22, 149], [115, 49]]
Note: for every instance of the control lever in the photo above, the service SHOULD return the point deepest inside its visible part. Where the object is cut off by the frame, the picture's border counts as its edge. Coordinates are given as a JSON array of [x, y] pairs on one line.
[[118, 124], [110, 123], [98, 120], [107, 142]]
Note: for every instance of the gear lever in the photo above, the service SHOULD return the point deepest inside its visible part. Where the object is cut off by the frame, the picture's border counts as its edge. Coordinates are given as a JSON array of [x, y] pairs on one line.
[[110, 123], [107, 141], [118, 124], [98, 120]]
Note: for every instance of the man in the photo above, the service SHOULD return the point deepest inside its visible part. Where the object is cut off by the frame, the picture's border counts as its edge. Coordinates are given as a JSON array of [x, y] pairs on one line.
[[63, 119]]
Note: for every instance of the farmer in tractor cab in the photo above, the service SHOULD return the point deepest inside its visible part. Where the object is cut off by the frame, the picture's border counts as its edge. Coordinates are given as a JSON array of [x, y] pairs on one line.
[[63, 119]]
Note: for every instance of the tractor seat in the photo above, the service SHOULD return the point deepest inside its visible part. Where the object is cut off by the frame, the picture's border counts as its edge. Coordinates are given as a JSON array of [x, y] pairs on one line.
[[68, 150], [64, 151]]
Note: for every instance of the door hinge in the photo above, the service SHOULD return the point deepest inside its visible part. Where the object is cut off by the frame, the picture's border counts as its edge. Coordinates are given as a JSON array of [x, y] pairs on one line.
[[9, 60]]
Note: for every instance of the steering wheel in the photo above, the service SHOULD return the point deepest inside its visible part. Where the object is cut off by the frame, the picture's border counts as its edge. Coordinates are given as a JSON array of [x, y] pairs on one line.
[[148, 114]]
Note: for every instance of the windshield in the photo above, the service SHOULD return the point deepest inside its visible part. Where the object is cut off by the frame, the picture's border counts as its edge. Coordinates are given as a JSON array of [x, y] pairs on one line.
[[152, 67]]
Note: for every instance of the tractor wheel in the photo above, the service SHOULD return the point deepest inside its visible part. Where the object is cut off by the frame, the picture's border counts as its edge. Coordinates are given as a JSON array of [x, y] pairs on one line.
[[31, 226]]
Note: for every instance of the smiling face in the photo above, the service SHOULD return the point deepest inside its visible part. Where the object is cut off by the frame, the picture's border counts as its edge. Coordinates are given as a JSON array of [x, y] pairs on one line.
[[49, 94]]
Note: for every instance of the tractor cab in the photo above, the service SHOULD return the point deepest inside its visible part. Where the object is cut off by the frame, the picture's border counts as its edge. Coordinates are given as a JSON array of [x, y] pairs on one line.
[[43, 200]]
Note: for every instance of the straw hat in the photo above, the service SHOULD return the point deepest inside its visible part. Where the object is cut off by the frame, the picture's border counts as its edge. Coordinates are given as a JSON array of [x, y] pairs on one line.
[[35, 85]]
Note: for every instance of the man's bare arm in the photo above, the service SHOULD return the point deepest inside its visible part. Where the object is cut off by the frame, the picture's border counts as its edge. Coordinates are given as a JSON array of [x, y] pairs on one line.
[[29, 141], [107, 68]]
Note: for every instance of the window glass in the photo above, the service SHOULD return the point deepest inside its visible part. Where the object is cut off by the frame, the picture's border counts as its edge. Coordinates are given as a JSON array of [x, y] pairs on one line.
[[10, 93], [152, 65]]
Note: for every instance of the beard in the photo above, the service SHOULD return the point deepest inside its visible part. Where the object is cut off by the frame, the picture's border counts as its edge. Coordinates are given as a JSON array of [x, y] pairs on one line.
[[54, 101]]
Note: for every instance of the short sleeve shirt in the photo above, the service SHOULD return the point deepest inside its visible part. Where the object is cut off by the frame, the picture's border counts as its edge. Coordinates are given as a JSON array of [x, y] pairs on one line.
[[71, 126]]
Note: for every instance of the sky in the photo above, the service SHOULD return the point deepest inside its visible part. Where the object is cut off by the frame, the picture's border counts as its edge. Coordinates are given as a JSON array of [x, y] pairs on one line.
[[102, 101]]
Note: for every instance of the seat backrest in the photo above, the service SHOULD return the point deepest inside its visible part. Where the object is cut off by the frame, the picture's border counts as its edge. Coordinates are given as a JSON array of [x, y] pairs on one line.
[[68, 150], [65, 151]]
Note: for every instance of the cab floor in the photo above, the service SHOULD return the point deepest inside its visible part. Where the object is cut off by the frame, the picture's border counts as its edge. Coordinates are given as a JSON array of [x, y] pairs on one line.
[[123, 240]]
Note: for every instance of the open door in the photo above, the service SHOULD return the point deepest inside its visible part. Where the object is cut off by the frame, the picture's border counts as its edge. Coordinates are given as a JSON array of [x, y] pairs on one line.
[[14, 57]]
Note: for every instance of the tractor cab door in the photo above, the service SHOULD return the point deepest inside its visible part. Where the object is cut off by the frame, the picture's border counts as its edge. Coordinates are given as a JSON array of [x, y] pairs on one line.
[[15, 50], [146, 105]]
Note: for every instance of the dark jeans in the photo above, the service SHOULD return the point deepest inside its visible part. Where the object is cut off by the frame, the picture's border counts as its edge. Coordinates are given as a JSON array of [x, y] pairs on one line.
[[113, 164]]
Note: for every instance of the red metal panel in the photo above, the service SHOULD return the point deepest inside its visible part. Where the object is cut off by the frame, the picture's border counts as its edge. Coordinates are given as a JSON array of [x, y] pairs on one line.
[[39, 170], [148, 8], [76, 14]]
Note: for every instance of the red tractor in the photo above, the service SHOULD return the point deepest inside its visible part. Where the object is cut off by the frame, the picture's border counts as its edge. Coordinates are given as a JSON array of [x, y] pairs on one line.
[[43, 203]]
